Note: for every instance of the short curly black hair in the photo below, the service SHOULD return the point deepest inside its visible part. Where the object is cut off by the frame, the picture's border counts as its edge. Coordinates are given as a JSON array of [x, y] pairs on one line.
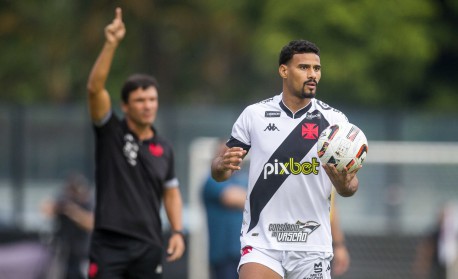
[[136, 81], [295, 47]]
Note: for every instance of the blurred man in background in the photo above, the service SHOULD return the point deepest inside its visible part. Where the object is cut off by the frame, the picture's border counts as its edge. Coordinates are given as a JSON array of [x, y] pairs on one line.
[[436, 256], [224, 202], [134, 174], [73, 221]]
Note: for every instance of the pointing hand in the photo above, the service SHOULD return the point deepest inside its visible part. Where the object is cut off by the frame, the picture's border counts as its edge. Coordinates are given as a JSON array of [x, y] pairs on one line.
[[115, 31]]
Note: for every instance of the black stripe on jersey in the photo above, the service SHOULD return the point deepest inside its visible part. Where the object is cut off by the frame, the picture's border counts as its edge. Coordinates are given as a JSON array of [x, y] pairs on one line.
[[294, 146]]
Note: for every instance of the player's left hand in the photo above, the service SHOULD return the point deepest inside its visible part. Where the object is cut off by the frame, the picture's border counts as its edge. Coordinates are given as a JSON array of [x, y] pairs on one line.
[[176, 247], [345, 182]]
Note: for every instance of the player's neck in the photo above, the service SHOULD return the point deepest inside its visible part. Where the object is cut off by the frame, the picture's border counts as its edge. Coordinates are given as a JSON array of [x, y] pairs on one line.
[[143, 132]]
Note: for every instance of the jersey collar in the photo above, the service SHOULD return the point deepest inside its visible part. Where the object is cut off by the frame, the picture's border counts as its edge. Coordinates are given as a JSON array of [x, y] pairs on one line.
[[298, 113], [127, 130]]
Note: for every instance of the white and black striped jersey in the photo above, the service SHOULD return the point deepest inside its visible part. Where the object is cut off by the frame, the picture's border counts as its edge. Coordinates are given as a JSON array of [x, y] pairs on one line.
[[288, 201]]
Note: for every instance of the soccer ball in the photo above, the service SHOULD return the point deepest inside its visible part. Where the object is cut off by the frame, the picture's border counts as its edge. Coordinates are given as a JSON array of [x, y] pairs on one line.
[[342, 144]]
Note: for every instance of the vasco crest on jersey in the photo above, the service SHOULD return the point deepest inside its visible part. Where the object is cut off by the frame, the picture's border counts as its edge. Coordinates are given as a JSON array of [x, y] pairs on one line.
[[310, 131], [156, 149]]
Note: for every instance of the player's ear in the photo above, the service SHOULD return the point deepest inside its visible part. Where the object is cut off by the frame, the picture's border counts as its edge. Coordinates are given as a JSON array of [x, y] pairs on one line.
[[283, 70]]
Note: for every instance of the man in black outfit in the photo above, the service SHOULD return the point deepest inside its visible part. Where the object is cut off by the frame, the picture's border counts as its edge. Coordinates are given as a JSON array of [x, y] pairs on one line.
[[134, 174], [72, 213]]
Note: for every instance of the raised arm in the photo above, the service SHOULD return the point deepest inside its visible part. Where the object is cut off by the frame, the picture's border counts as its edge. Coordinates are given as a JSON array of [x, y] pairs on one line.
[[98, 96]]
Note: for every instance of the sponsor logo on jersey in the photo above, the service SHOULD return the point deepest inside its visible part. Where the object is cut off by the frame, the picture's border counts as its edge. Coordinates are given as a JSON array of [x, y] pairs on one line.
[[130, 149], [272, 114], [310, 116], [318, 267], [297, 232], [271, 127], [291, 167], [315, 276], [318, 272], [310, 131], [266, 101]]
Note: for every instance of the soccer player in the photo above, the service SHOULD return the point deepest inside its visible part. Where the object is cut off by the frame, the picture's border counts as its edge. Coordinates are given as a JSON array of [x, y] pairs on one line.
[[286, 230], [134, 174]]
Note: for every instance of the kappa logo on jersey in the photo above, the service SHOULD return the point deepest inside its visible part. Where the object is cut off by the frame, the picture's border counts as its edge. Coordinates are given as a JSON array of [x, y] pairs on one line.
[[272, 113], [271, 127], [156, 150], [130, 149], [298, 232], [310, 131], [291, 167]]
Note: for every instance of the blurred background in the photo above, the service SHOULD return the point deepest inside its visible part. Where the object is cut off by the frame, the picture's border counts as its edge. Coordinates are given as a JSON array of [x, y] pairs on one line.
[[391, 66]]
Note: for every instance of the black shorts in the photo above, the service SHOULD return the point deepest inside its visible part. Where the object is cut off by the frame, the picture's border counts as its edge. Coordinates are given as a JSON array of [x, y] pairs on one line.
[[115, 256]]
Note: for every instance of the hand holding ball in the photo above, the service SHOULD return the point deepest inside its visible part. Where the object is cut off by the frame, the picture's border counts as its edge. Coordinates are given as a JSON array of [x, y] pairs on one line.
[[342, 144]]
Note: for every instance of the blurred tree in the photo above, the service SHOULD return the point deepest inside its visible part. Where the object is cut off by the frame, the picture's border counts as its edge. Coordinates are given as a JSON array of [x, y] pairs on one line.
[[403, 53], [39, 43], [372, 52]]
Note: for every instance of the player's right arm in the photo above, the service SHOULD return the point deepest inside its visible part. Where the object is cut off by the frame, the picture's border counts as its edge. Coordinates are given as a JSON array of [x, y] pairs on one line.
[[226, 162], [98, 96]]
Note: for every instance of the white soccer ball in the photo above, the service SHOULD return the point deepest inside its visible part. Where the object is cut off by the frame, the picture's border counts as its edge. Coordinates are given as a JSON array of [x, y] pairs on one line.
[[342, 144]]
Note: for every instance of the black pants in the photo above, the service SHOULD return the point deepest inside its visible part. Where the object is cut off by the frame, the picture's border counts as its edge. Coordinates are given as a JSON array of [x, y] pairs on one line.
[[115, 256], [73, 268]]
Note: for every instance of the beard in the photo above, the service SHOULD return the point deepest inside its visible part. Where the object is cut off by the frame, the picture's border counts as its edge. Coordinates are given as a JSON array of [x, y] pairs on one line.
[[308, 95]]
